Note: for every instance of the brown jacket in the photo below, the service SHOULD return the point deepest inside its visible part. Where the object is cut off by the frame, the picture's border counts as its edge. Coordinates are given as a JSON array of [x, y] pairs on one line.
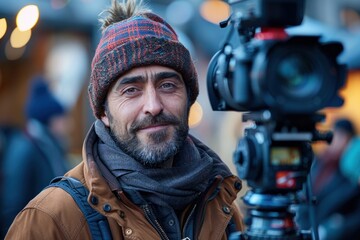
[[53, 214]]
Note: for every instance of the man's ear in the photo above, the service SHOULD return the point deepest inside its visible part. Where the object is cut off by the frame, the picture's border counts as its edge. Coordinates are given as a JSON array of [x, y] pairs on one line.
[[105, 119]]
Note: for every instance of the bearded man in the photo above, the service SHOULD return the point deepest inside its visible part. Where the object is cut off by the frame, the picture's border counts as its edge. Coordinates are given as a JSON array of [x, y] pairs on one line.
[[145, 173]]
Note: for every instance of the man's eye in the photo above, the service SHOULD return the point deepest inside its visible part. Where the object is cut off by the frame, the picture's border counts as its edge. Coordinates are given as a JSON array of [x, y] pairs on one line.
[[167, 85], [130, 90]]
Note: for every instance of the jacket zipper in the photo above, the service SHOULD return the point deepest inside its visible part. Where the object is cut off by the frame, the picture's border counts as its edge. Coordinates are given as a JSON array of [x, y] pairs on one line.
[[154, 222], [187, 222], [210, 195]]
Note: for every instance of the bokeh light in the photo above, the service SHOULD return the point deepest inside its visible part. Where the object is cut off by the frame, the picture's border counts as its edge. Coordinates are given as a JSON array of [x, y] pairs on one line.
[[215, 11], [3, 27], [19, 38], [27, 17], [196, 115]]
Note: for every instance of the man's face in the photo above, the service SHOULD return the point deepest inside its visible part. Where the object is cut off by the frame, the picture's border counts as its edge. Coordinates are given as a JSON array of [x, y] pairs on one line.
[[147, 112]]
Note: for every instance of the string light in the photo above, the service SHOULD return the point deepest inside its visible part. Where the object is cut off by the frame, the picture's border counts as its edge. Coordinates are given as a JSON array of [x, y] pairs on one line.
[[3, 27], [27, 17], [19, 38]]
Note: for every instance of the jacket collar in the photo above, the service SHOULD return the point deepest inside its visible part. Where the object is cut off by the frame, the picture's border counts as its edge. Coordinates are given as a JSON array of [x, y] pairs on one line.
[[101, 183]]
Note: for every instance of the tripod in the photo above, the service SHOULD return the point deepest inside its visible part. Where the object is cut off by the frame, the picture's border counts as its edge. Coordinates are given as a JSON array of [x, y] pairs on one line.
[[276, 162]]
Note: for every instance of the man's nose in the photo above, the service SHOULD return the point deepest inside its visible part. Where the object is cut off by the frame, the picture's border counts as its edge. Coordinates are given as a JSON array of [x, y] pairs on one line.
[[152, 102]]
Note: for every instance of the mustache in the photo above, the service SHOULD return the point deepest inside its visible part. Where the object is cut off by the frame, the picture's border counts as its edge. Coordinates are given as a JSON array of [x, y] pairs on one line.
[[153, 120]]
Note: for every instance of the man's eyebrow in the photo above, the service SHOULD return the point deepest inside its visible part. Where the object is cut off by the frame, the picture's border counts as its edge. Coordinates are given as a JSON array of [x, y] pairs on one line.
[[129, 80], [141, 79], [132, 79], [164, 75]]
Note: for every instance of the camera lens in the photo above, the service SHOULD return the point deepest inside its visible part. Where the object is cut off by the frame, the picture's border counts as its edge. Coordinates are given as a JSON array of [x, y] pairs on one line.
[[293, 77], [297, 77]]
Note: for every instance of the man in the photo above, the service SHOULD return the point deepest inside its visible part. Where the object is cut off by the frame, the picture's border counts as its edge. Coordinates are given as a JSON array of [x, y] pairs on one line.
[[145, 173]]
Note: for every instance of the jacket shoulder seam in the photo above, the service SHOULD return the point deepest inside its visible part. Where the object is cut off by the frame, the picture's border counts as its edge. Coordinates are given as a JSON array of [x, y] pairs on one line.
[[49, 211]]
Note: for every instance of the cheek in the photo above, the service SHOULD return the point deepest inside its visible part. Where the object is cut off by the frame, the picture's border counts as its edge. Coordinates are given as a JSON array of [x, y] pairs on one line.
[[177, 104], [123, 115], [184, 110]]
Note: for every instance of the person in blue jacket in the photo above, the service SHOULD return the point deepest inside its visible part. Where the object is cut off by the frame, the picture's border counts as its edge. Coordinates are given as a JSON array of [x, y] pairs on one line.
[[32, 157]]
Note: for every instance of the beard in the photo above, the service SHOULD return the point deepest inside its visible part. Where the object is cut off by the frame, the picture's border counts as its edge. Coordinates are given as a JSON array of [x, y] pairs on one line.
[[159, 148]]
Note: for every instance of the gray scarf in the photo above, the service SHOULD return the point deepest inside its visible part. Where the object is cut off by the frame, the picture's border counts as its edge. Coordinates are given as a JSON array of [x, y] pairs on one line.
[[193, 168]]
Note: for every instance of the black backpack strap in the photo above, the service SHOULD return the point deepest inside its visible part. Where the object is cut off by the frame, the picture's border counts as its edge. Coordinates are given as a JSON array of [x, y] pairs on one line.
[[231, 232], [98, 224]]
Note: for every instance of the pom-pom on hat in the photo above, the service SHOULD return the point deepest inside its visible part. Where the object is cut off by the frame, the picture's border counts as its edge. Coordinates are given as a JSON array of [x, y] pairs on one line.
[[41, 104], [137, 41]]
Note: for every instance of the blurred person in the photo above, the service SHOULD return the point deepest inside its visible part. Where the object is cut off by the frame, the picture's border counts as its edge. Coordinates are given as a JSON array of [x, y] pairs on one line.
[[350, 17], [32, 157], [145, 173], [328, 161], [8, 134], [350, 161], [337, 207], [350, 21], [48, 124]]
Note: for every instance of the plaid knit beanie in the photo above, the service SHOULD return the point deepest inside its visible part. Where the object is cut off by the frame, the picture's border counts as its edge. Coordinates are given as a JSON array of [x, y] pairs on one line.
[[137, 41]]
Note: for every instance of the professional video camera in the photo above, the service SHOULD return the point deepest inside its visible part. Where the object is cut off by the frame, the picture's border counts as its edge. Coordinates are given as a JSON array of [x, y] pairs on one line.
[[280, 82]]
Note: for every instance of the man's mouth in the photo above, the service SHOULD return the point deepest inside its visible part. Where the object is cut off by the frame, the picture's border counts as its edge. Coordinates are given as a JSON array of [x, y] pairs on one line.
[[154, 127], [154, 124]]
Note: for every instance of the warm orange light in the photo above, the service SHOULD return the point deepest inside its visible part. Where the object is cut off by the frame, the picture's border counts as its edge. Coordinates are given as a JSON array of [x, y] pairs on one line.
[[196, 114], [19, 38], [215, 11], [350, 109], [27, 17], [3, 27]]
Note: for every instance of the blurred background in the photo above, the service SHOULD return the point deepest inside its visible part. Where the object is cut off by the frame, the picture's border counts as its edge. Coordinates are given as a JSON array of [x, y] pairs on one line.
[[57, 39]]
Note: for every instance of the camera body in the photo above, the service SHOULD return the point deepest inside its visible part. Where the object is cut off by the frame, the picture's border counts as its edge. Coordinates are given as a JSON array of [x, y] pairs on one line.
[[286, 74], [290, 78]]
